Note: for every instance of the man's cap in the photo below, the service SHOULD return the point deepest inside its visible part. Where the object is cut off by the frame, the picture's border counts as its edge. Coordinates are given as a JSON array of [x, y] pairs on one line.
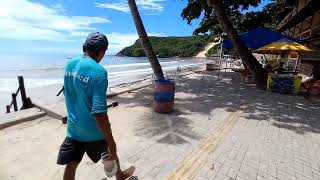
[[96, 40]]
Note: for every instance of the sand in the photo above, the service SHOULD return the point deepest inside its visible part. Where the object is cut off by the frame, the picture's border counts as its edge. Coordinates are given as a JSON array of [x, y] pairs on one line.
[[29, 150]]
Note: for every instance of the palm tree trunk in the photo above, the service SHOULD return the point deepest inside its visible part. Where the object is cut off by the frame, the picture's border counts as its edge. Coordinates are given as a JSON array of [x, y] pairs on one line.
[[144, 40], [248, 59]]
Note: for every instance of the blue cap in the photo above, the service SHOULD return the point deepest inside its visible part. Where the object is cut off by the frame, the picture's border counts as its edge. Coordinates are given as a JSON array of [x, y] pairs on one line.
[[96, 41]]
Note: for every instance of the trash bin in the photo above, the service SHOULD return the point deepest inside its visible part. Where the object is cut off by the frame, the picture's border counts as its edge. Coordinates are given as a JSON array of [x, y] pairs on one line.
[[164, 90]]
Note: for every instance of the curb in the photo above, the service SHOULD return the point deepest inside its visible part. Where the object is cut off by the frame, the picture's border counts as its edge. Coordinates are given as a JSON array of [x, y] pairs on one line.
[[33, 116], [49, 112], [127, 90]]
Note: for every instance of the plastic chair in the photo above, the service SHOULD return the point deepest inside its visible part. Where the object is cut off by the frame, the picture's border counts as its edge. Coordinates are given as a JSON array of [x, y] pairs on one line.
[[245, 74], [175, 76], [314, 85]]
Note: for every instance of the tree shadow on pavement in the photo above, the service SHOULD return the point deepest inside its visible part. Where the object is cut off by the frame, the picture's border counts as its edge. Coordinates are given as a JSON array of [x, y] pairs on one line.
[[199, 94]]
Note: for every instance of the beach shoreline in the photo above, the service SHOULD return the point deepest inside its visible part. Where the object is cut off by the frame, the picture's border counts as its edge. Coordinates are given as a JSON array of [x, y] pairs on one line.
[[47, 94]]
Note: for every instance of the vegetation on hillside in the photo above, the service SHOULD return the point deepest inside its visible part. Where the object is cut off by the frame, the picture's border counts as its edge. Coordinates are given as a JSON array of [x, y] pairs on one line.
[[169, 46], [144, 40], [215, 51]]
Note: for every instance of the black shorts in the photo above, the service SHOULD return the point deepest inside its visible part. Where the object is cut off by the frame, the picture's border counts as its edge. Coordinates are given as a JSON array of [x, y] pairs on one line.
[[72, 150]]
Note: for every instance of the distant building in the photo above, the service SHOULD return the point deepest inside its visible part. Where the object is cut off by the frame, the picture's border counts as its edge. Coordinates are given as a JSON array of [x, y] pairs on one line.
[[303, 22]]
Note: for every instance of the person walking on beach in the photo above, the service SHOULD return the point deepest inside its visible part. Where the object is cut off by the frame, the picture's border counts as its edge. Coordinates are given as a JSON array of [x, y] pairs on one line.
[[88, 126]]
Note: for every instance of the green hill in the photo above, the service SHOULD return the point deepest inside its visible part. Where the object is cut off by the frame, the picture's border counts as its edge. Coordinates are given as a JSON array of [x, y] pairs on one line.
[[169, 46]]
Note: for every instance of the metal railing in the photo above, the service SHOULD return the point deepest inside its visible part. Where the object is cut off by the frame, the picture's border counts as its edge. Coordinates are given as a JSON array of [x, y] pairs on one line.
[[26, 101]]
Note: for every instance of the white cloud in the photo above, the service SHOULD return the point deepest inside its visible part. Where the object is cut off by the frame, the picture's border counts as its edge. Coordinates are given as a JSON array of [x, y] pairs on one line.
[[59, 7], [25, 20], [116, 6], [154, 6], [118, 41]]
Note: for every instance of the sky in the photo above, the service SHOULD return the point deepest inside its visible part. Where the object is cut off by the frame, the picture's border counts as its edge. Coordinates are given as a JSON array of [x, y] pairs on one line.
[[57, 28]]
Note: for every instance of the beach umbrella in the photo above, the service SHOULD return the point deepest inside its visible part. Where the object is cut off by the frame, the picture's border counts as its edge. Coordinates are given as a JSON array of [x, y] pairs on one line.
[[258, 38], [284, 46]]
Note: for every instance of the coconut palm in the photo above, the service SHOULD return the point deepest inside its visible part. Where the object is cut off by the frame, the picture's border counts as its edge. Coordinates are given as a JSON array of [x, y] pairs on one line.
[[247, 58], [144, 40]]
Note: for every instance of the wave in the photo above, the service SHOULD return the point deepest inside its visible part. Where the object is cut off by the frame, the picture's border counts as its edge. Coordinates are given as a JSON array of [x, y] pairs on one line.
[[105, 66], [147, 70], [137, 64], [39, 69], [11, 84]]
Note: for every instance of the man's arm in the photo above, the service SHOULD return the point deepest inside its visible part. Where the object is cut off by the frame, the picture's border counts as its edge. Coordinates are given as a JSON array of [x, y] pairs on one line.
[[104, 125], [99, 110]]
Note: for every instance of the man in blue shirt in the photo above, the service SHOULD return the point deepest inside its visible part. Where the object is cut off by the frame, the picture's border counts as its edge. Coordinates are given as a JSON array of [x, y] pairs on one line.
[[88, 126]]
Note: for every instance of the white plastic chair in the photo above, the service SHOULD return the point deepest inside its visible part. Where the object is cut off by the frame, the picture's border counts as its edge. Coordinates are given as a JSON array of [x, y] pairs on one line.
[[175, 76]]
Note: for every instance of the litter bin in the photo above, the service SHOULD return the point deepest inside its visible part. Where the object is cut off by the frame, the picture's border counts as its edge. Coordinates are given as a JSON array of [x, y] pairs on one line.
[[164, 90]]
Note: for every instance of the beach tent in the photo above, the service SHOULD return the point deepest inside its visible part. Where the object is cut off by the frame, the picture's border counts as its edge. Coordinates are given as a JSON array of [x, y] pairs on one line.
[[258, 38]]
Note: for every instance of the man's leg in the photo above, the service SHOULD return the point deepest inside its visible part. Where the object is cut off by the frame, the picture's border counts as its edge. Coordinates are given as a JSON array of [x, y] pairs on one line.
[[70, 171], [70, 154]]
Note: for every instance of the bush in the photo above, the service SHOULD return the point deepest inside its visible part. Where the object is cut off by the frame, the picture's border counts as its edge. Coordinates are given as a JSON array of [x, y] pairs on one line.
[[215, 50]]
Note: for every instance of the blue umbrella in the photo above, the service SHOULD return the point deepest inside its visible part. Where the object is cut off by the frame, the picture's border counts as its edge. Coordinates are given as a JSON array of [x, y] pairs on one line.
[[258, 38]]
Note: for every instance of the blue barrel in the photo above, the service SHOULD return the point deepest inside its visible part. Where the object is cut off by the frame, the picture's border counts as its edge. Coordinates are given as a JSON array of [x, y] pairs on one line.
[[164, 90]]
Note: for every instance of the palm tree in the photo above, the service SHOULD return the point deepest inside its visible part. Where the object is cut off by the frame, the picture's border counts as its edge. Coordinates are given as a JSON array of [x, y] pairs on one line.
[[248, 59], [144, 40]]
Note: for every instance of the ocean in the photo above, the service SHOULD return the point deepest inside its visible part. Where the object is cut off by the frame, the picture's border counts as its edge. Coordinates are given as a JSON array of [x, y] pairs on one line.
[[39, 73]]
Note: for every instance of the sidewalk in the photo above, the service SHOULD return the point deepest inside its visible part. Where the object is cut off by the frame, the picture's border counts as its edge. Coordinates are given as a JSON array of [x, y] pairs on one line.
[[220, 130]]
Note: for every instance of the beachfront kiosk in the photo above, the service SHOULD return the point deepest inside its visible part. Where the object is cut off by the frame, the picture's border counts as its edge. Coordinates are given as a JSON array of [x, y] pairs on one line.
[[267, 41], [284, 80]]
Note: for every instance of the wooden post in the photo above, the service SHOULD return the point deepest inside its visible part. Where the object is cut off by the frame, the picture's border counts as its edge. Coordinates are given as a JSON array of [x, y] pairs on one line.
[[29, 103], [225, 70], [221, 55], [14, 101], [64, 120], [297, 63], [8, 108], [23, 93]]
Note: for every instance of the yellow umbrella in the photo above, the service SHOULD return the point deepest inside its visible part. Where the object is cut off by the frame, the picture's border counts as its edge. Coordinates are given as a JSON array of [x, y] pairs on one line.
[[284, 46]]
